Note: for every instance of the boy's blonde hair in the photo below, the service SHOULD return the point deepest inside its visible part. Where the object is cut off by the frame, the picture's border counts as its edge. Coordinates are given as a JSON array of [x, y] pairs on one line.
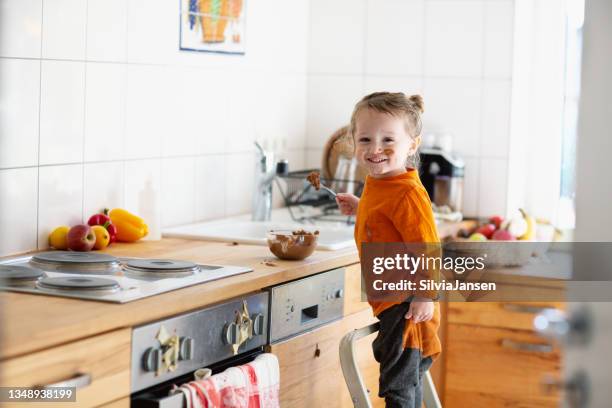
[[397, 104], [393, 103]]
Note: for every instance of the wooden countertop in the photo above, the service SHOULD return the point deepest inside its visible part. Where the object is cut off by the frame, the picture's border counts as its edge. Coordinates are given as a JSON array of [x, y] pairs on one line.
[[33, 322]]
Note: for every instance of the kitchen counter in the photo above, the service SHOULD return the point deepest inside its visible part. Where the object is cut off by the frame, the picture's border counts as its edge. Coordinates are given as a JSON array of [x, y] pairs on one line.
[[33, 322]]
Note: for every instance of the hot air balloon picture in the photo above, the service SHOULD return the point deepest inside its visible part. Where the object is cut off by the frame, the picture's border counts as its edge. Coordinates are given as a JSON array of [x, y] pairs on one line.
[[213, 26]]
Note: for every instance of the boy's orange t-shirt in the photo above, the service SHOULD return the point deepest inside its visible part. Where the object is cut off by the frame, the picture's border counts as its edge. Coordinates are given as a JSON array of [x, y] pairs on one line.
[[398, 209]]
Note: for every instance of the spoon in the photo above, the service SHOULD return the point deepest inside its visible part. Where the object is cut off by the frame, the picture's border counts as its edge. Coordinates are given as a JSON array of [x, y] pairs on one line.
[[329, 190]]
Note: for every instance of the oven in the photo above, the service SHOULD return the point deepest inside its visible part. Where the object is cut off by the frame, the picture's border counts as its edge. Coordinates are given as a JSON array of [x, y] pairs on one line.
[[167, 352]]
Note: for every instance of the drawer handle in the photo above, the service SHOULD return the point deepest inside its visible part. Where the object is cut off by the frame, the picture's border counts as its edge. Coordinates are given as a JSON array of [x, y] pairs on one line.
[[523, 308], [78, 381], [517, 345]]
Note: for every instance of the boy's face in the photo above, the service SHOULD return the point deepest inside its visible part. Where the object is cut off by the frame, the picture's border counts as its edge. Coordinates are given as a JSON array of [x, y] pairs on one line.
[[382, 143]]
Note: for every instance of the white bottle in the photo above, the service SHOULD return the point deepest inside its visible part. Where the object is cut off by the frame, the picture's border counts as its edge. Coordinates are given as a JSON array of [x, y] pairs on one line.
[[149, 210]]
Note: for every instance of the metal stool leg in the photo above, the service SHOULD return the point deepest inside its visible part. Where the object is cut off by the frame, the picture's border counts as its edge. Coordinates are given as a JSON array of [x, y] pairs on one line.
[[354, 380]]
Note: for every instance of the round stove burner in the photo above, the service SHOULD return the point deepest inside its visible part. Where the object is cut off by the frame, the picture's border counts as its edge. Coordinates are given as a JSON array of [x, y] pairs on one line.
[[19, 275], [78, 283], [73, 257], [161, 264], [81, 262], [161, 267]]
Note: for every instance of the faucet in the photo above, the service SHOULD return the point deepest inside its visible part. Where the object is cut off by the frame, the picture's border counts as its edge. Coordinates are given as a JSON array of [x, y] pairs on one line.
[[262, 191]]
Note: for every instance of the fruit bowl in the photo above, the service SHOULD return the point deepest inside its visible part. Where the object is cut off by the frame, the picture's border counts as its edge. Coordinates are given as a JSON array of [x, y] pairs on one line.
[[292, 245], [494, 253]]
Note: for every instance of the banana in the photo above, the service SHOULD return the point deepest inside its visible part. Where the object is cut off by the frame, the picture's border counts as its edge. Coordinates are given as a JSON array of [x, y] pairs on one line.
[[529, 234]]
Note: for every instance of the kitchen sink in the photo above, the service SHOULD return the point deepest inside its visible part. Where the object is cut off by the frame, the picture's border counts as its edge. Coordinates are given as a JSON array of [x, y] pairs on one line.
[[331, 237]]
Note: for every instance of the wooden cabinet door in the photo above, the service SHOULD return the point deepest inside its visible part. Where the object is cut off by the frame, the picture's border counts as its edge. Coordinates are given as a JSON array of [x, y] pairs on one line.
[[490, 367], [103, 361], [310, 370]]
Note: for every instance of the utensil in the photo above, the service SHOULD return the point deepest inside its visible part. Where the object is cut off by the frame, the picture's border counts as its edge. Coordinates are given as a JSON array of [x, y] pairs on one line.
[[329, 190]]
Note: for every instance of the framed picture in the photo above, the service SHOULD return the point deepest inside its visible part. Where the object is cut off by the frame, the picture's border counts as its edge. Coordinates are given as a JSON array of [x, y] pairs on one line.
[[213, 26]]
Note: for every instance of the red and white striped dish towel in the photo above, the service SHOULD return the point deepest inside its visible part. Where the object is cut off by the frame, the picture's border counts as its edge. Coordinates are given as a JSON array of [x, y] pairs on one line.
[[253, 385]]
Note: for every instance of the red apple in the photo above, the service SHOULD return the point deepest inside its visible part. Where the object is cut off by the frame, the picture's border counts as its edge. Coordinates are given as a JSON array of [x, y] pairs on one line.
[[487, 230], [503, 235], [81, 238], [497, 221]]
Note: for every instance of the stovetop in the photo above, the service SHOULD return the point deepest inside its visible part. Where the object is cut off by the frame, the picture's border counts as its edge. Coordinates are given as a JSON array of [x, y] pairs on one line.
[[103, 277]]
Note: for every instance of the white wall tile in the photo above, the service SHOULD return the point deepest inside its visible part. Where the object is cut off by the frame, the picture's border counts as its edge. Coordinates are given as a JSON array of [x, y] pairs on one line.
[[19, 103], [184, 107], [394, 42], [239, 172], [212, 119], [60, 199], [62, 112], [295, 28], [105, 94], [178, 191], [143, 193], [243, 98], [20, 28], [336, 36], [268, 110], [453, 106], [103, 187], [471, 185], [147, 118], [499, 36], [326, 114], [493, 184], [107, 30], [210, 184], [153, 28], [407, 85], [292, 116], [454, 37], [18, 210], [496, 103], [64, 32]]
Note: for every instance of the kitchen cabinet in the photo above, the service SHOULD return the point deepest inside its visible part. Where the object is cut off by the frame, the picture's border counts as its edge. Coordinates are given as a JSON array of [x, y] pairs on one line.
[[101, 364], [310, 370], [493, 358]]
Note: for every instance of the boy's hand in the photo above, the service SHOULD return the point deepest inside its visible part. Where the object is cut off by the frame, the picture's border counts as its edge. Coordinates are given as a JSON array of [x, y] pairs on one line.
[[348, 203], [421, 310]]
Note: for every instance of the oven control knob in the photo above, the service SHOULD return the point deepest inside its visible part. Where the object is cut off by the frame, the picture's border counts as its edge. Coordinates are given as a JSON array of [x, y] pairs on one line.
[[258, 324], [151, 360], [185, 348], [231, 333], [339, 293]]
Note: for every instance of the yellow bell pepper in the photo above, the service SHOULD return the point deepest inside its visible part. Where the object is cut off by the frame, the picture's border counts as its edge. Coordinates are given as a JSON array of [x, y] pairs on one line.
[[130, 227]]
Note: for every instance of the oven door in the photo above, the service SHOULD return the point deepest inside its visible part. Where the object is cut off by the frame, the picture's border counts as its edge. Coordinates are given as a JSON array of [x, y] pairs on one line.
[[159, 396]]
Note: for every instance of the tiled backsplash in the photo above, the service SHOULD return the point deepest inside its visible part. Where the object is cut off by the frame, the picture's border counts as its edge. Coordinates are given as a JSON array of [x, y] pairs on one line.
[[457, 53], [99, 108]]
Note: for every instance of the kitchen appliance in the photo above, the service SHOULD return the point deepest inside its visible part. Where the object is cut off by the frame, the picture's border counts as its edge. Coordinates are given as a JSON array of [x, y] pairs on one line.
[[103, 277], [204, 338], [307, 303], [442, 177]]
